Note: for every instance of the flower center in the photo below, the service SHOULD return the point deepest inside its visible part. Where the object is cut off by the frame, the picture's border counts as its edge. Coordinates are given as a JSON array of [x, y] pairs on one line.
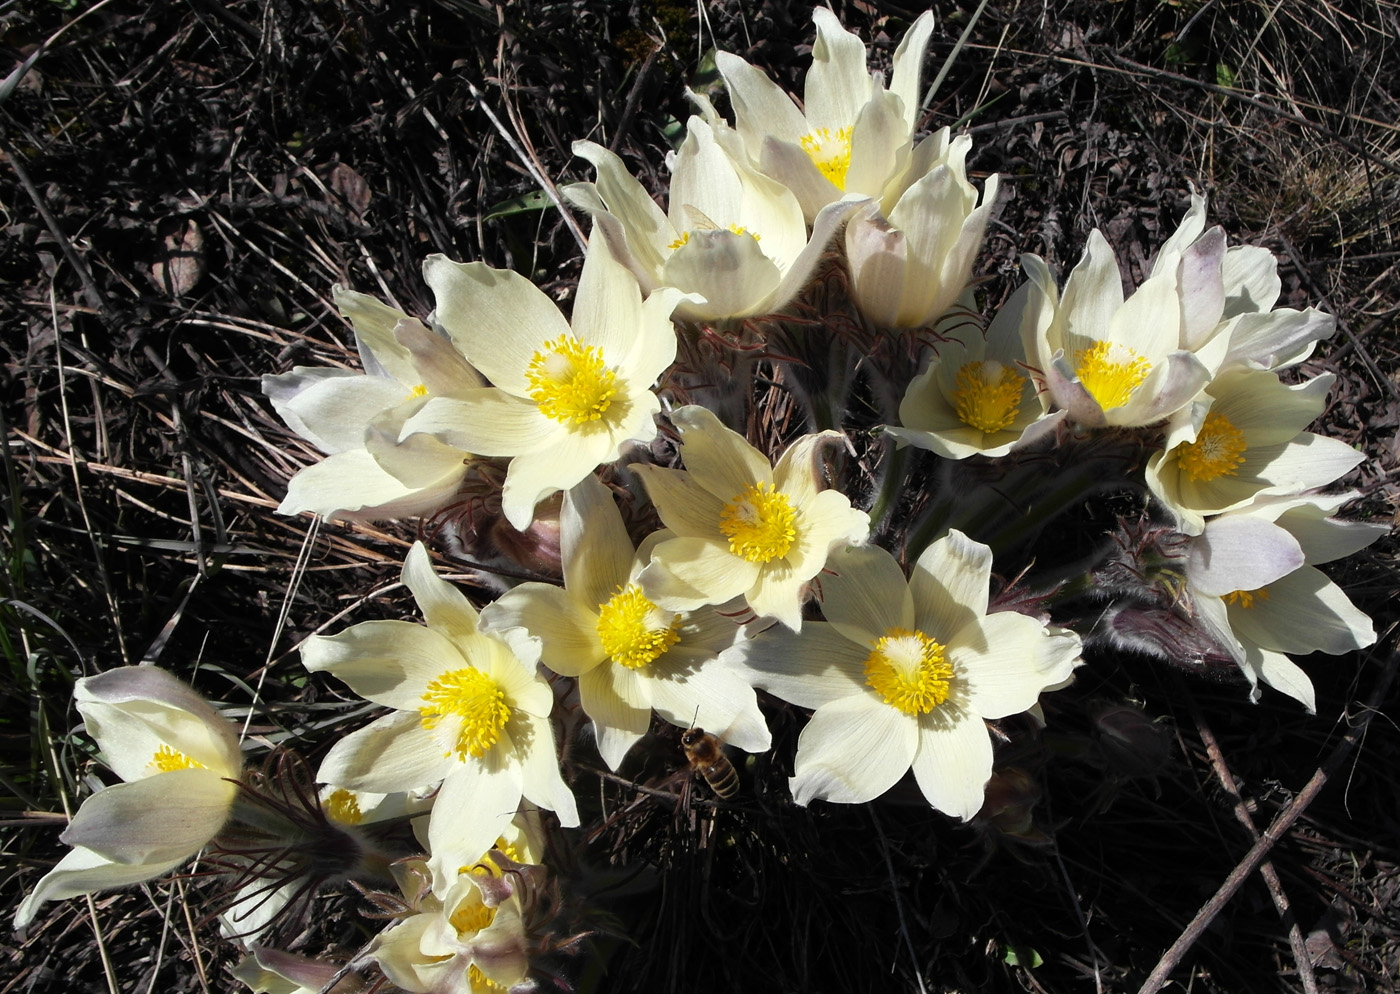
[[476, 700], [480, 982], [1217, 451], [830, 152], [1110, 372], [342, 806], [760, 523], [168, 760], [987, 395], [684, 239], [633, 630], [1246, 598], [907, 669], [421, 390], [569, 381], [471, 918]]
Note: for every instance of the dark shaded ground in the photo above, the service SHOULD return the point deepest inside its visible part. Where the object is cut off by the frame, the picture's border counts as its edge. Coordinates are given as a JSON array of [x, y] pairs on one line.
[[182, 185]]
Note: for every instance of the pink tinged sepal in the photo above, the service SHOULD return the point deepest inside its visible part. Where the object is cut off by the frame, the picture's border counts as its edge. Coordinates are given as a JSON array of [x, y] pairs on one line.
[[170, 816], [1241, 553], [83, 871]]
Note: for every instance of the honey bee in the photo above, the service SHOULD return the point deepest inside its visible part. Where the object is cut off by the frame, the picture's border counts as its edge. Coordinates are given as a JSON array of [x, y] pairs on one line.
[[705, 754]]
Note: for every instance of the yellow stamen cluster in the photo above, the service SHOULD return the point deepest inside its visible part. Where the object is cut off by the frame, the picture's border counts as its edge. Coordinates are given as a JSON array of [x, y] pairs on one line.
[[471, 918], [480, 982], [421, 390], [168, 760], [908, 670], [1217, 451], [342, 806], [632, 630], [831, 153], [987, 395], [475, 699], [1246, 598], [760, 523], [1110, 372], [569, 381], [684, 239]]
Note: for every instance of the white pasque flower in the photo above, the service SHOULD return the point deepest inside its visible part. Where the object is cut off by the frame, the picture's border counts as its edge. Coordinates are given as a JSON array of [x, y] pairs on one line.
[[740, 527], [629, 655], [902, 674], [731, 236], [852, 137], [177, 756], [370, 472], [457, 942], [977, 397], [1244, 437], [470, 712], [1127, 363], [564, 398], [908, 266], [1252, 583]]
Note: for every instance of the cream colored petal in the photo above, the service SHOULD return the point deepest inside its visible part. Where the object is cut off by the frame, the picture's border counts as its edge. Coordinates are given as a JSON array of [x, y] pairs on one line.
[[879, 146], [1250, 275], [488, 422], [654, 348], [853, 750], [419, 462], [716, 698], [163, 818], [689, 573], [950, 584], [1006, 660], [1240, 553], [761, 108], [1277, 339], [1284, 675], [393, 753], [953, 763], [810, 668], [497, 318], [83, 871], [567, 630], [597, 551], [718, 459], [618, 725], [1202, 291], [353, 485], [837, 85], [1309, 461], [445, 608], [332, 412], [704, 179], [133, 711], [906, 72], [1093, 294], [387, 662], [730, 271], [533, 476], [542, 783], [1303, 612], [374, 322], [1190, 229], [790, 164], [473, 809], [778, 592], [864, 594], [648, 233], [436, 363], [686, 507], [608, 306], [827, 521]]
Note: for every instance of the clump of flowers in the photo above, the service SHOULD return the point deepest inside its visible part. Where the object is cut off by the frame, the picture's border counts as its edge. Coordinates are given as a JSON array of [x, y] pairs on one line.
[[780, 557]]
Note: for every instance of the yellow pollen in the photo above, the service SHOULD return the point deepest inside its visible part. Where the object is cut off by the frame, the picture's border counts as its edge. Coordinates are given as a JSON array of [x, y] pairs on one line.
[[1246, 598], [569, 381], [684, 239], [471, 918], [342, 806], [421, 390], [907, 669], [831, 153], [1110, 372], [476, 700], [487, 867], [987, 395], [760, 523], [634, 632], [168, 760], [1217, 451], [480, 982]]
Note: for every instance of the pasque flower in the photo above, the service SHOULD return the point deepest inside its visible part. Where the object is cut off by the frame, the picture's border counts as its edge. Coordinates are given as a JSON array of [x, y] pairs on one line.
[[732, 238], [851, 137], [565, 397], [903, 673], [370, 471], [470, 712], [629, 655], [740, 527], [177, 756]]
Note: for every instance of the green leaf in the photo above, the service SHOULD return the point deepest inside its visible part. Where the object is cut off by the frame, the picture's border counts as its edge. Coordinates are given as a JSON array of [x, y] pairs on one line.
[[536, 200], [1022, 956], [1224, 75]]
